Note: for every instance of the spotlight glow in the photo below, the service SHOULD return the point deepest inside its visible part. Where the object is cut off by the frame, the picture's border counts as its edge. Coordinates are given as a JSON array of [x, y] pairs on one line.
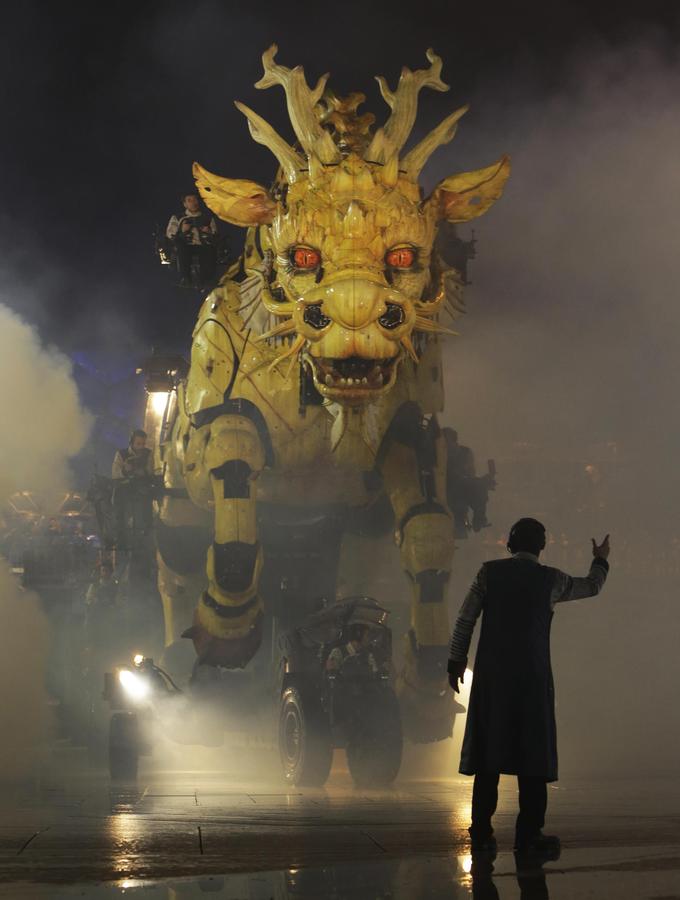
[[159, 401], [136, 687]]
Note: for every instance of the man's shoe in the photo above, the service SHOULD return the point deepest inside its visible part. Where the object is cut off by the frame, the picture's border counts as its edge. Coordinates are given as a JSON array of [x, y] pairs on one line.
[[487, 846], [545, 846]]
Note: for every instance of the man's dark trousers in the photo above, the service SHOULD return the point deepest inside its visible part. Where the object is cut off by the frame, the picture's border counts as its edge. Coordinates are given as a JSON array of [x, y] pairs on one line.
[[207, 258], [533, 801]]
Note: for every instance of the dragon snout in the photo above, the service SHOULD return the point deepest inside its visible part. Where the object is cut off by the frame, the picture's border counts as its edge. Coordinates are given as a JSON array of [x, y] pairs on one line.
[[315, 316], [354, 329], [355, 304]]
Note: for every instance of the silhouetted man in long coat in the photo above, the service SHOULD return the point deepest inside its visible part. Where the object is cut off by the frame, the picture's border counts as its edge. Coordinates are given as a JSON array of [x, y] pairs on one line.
[[510, 726]]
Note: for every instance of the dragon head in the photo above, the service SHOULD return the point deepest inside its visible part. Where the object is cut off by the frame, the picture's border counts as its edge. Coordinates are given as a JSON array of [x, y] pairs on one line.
[[348, 231]]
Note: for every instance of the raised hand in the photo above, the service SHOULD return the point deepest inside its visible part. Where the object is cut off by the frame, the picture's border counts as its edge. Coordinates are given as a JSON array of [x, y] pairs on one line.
[[601, 550]]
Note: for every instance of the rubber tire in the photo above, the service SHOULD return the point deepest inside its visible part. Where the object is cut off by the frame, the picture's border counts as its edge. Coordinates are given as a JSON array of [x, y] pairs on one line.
[[374, 752], [302, 721], [123, 746]]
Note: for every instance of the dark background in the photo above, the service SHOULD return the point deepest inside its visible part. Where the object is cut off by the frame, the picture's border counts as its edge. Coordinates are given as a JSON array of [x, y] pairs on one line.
[[106, 105]]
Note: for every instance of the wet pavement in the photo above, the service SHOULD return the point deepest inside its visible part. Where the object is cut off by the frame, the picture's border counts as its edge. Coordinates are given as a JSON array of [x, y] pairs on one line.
[[185, 834]]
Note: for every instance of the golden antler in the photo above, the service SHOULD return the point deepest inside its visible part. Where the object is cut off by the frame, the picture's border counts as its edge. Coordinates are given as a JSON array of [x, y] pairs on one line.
[[404, 105], [262, 132], [301, 100], [415, 159]]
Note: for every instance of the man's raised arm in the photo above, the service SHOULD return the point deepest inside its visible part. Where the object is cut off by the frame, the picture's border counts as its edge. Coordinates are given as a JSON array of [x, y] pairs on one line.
[[568, 587]]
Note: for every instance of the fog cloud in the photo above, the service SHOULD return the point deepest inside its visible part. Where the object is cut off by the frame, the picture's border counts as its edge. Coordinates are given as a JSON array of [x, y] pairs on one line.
[[42, 426], [568, 358], [43, 422]]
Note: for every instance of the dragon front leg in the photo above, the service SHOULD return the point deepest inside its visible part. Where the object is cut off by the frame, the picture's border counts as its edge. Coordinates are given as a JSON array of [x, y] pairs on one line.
[[412, 478], [227, 628]]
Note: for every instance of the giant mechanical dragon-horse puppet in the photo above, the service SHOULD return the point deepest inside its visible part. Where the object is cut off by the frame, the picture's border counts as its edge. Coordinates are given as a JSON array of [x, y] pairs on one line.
[[315, 372]]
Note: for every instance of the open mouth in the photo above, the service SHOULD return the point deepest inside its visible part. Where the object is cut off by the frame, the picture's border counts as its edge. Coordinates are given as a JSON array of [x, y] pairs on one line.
[[353, 373]]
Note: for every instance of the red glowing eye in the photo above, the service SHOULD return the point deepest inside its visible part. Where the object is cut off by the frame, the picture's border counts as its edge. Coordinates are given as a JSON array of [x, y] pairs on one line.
[[304, 258], [401, 258]]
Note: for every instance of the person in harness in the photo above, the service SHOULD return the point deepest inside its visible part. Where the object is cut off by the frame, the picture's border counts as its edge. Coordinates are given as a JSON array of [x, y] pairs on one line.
[[510, 727], [132, 473], [193, 233], [357, 649]]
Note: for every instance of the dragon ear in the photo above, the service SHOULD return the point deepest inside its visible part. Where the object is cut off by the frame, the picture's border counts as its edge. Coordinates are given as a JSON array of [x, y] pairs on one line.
[[234, 200], [460, 198]]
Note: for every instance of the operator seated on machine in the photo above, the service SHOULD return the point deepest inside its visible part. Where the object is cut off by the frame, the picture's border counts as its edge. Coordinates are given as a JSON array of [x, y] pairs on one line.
[[356, 651], [132, 471], [194, 235]]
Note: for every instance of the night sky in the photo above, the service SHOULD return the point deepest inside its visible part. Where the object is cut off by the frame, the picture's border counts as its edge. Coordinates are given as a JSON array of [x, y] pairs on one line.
[[106, 106]]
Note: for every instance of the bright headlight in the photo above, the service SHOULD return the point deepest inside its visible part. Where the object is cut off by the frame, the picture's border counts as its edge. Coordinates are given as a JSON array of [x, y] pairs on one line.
[[132, 684], [159, 400]]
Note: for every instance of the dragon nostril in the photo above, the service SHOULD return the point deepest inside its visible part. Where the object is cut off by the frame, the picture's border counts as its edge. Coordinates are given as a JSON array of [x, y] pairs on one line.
[[392, 317], [315, 317]]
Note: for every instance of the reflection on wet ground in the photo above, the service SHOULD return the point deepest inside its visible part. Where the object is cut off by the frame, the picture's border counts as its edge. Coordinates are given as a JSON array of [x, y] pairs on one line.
[[190, 834], [630, 872]]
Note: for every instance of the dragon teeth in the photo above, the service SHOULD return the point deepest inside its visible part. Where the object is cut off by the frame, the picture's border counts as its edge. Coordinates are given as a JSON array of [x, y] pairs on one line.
[[375, 379]]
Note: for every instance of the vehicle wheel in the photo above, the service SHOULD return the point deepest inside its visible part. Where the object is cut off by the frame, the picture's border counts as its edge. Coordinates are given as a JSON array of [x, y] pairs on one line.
[[305, 743], [374, 749], [123, 747]]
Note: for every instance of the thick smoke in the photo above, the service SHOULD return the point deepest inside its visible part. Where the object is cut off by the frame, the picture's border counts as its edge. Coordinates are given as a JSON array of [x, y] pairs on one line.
[[568, 360], [43, 425], [24, 649]]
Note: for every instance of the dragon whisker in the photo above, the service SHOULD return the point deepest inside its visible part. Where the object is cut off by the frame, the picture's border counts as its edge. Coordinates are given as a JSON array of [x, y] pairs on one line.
[[293, 351], [423, 324], [280, 330], [407, 344]]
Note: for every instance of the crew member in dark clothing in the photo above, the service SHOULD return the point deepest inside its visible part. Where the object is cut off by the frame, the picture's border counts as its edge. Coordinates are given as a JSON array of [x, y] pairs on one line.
[[357, 648], [464, 489], [194, 234], [104, 590], [131, 472], [510, 726]]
